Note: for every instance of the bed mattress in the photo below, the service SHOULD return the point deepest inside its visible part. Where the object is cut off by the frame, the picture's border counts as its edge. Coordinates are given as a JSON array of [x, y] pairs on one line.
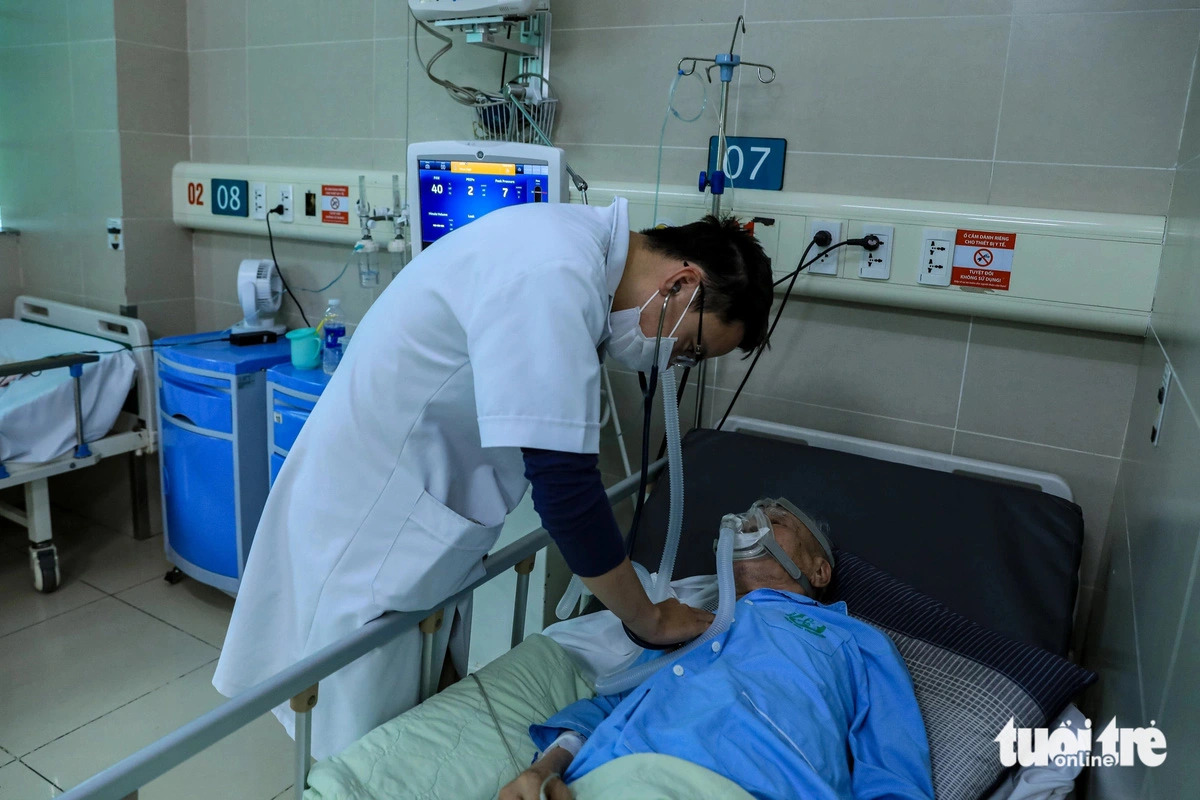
[[37, 412]]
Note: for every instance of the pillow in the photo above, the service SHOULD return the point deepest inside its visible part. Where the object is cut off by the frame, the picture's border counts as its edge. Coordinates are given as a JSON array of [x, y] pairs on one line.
[[969, 681]]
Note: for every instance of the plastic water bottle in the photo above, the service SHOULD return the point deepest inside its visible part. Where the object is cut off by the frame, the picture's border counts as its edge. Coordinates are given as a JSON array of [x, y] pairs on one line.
[[334, 331]]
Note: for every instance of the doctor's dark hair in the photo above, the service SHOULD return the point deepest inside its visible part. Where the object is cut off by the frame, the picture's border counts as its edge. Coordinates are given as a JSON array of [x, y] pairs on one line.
[[737, 273]]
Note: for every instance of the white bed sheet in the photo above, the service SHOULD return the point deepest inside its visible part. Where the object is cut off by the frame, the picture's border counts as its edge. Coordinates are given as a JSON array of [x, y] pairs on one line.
[[37, 413]]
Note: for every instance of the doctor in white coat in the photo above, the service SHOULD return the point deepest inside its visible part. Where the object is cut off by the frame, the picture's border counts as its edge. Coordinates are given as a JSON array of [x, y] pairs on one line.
[[474, 374]]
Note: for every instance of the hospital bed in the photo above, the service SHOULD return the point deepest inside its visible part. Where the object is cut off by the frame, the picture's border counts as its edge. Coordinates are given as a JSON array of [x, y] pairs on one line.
[[68, 407], [997, 544]]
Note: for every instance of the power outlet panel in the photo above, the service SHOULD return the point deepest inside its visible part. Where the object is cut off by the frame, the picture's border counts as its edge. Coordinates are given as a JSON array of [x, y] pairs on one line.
[[937, 256], [258, 200], [828, 263], [877, 265], [285, 199]]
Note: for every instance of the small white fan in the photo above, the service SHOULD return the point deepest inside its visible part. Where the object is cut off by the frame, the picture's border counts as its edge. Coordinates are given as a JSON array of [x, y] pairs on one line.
[[260, 291]]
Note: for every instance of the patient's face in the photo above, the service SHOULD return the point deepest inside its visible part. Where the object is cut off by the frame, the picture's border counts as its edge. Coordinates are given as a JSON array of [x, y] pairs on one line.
[[799, 543]]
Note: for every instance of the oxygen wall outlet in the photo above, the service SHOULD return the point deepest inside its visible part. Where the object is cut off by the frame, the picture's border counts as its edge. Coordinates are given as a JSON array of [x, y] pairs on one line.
[[258, 200], [828, 263], [877, 265], [937, 256], [285, 200]]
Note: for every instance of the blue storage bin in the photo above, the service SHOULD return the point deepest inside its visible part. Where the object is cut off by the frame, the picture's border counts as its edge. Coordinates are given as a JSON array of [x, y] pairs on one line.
[[289, 414], [195, 399], [212, 429], [291, 396], [198, 489]]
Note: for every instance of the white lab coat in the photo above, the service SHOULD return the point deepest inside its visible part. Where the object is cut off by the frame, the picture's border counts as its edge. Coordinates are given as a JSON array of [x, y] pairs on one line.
[[399, 483]]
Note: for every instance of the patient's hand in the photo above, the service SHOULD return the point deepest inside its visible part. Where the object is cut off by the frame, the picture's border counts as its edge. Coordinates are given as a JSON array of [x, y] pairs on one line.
[[528, 785]]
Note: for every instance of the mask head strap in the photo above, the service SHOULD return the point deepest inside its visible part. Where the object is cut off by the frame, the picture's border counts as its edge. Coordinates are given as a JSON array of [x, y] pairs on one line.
[[809, 522]]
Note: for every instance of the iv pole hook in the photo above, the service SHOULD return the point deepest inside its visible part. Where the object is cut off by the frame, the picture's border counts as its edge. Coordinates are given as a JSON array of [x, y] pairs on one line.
[[741, 23]]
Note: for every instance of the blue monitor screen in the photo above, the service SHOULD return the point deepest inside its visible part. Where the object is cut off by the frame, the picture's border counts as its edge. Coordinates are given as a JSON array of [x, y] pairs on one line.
[[454, 193]]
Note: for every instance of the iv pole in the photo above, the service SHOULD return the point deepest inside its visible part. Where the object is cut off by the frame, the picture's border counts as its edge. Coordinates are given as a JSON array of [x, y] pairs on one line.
[[715, 182]]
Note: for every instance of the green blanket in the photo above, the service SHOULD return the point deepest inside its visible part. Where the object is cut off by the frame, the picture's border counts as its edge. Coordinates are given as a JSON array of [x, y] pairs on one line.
[[448, 746], [649, 776]]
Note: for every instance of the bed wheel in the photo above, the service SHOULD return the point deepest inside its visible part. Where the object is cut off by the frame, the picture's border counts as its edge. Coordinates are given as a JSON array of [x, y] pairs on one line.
[[43, 560], [174, 576]]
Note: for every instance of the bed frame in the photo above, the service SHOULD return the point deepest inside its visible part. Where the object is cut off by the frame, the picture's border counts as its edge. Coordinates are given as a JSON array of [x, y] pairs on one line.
[[132, 433], [298, 684]]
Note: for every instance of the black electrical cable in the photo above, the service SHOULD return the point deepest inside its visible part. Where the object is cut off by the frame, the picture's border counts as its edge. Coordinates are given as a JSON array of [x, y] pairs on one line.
[[869, 242], [778, 315], [278, 271], [647, 410]]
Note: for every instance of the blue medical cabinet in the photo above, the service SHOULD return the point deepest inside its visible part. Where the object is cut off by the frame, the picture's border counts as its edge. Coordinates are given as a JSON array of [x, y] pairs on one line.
[[212, 433], [291, 395]]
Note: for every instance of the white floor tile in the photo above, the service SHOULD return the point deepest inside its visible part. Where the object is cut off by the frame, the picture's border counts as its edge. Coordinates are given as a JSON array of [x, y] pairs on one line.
[[286, 794], [21, 605], [109, 560], [189, 605], [5, 757], [255, 762], [78, 666], [19, 782]]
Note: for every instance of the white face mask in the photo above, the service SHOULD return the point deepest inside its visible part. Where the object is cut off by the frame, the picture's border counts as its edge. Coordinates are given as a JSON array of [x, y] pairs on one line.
[[633, 349]]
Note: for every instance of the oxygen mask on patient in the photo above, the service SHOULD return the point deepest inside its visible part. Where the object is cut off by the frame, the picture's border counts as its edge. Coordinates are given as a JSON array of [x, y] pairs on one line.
[[754, 536]]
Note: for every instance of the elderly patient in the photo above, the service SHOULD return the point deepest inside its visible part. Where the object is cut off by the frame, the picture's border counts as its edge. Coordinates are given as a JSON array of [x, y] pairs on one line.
[[795, 700]]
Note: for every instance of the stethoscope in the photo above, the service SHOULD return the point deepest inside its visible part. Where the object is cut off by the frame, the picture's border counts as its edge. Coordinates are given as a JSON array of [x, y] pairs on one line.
[[648, 392]]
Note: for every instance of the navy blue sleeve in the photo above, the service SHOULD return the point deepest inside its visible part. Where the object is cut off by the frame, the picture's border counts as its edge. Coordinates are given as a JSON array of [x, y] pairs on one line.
[[568, 494]]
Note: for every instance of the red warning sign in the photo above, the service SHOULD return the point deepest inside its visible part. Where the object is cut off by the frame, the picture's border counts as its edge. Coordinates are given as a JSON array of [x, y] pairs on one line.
[[983, 259], [335, 204]]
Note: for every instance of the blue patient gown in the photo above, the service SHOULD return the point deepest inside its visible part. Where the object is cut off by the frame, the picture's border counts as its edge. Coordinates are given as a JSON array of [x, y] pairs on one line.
[[795, 700]]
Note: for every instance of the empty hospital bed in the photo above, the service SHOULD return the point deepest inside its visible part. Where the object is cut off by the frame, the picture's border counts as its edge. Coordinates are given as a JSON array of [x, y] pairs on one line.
[[987, 555], [66, 406]]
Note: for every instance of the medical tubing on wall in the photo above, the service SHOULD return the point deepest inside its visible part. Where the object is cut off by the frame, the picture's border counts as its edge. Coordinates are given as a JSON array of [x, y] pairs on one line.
[[662, 133], [627, 679], [666, 566]]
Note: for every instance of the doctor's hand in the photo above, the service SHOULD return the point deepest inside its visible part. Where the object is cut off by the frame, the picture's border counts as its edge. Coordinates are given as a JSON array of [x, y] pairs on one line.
[[668, 622], [671, 622]]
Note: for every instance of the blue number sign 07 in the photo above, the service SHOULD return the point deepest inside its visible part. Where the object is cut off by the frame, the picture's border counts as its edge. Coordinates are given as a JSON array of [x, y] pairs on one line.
[[751, 162]]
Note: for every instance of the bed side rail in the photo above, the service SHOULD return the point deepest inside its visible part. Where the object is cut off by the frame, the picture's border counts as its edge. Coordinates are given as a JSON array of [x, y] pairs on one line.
[[124, 330], [49, 362], [72, 361], [123, 779]]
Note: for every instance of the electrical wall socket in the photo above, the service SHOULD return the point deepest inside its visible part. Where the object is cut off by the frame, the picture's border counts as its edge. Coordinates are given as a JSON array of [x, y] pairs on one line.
[[258, 200], [937, 256], [828, 263], [877, 265], [285, 200]]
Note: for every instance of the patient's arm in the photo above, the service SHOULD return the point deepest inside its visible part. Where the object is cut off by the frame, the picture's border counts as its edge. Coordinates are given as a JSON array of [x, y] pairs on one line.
[[545, 772], [887, 735]]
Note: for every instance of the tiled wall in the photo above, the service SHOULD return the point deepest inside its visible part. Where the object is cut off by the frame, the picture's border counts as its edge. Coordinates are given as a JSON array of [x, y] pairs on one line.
[[60, 152], [1040, 398], [1146, 633], [1063, 103], [10, 272], [1058, 104], [152, 110], [92, 117], [293, 82]]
